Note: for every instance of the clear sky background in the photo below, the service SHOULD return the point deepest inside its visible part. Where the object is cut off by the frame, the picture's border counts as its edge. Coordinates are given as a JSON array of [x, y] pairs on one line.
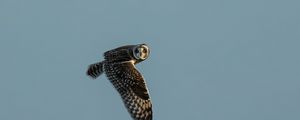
[[210, 59]]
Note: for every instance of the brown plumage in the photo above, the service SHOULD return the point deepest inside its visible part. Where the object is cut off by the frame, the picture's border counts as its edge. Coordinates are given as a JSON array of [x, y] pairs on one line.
[[119, 67]]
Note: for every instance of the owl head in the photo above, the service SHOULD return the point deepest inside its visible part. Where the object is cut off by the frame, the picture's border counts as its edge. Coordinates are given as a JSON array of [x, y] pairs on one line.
[[137, 53], [140, 52]]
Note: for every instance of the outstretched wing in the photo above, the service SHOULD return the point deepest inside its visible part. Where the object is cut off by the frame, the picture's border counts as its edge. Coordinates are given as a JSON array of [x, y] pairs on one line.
[[95, 70], [132, 87]]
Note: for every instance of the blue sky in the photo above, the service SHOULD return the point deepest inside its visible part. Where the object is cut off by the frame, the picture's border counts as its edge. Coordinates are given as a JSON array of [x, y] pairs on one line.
[[210, 59]]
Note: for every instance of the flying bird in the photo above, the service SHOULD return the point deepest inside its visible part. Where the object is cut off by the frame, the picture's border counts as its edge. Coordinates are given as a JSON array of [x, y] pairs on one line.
[[119, 67]]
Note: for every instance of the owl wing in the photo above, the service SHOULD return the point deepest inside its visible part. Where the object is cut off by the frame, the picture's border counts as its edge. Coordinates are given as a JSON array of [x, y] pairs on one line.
[[132, 87], [95, 70]]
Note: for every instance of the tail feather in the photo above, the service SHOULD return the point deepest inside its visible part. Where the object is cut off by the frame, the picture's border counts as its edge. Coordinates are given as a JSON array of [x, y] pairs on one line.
[[95, 70]]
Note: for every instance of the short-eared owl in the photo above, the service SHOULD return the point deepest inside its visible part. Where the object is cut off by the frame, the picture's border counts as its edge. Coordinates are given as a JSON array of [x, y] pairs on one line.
[[119, 67]]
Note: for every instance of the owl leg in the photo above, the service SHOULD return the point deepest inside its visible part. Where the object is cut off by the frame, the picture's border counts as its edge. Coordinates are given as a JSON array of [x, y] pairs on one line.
[[95, 70]]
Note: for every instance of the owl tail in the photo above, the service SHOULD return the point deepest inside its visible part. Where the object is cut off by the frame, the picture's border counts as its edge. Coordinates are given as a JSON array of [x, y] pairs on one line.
[[95, 70]]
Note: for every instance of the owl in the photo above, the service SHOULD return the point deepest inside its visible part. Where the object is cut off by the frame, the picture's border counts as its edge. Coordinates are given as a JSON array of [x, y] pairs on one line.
[[119, 67]]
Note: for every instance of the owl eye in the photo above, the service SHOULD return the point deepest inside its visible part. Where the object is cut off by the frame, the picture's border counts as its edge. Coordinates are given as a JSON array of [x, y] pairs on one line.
[[144, 51], [136, 51]]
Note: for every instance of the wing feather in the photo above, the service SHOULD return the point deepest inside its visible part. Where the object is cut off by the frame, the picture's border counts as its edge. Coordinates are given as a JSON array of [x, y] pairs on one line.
[[132, 87], [95, 70]]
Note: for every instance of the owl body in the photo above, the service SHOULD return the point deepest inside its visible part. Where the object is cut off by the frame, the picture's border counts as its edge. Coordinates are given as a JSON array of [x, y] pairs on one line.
[[119, 67]]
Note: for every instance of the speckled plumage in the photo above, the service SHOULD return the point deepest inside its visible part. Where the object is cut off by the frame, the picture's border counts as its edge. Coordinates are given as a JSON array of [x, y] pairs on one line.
[[119, 67]]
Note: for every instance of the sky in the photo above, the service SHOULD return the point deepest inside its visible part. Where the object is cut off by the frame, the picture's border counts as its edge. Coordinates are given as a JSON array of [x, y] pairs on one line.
[[210, 59]]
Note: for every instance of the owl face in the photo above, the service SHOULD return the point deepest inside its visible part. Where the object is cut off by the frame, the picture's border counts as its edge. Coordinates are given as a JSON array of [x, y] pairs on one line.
[[141, 52]]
